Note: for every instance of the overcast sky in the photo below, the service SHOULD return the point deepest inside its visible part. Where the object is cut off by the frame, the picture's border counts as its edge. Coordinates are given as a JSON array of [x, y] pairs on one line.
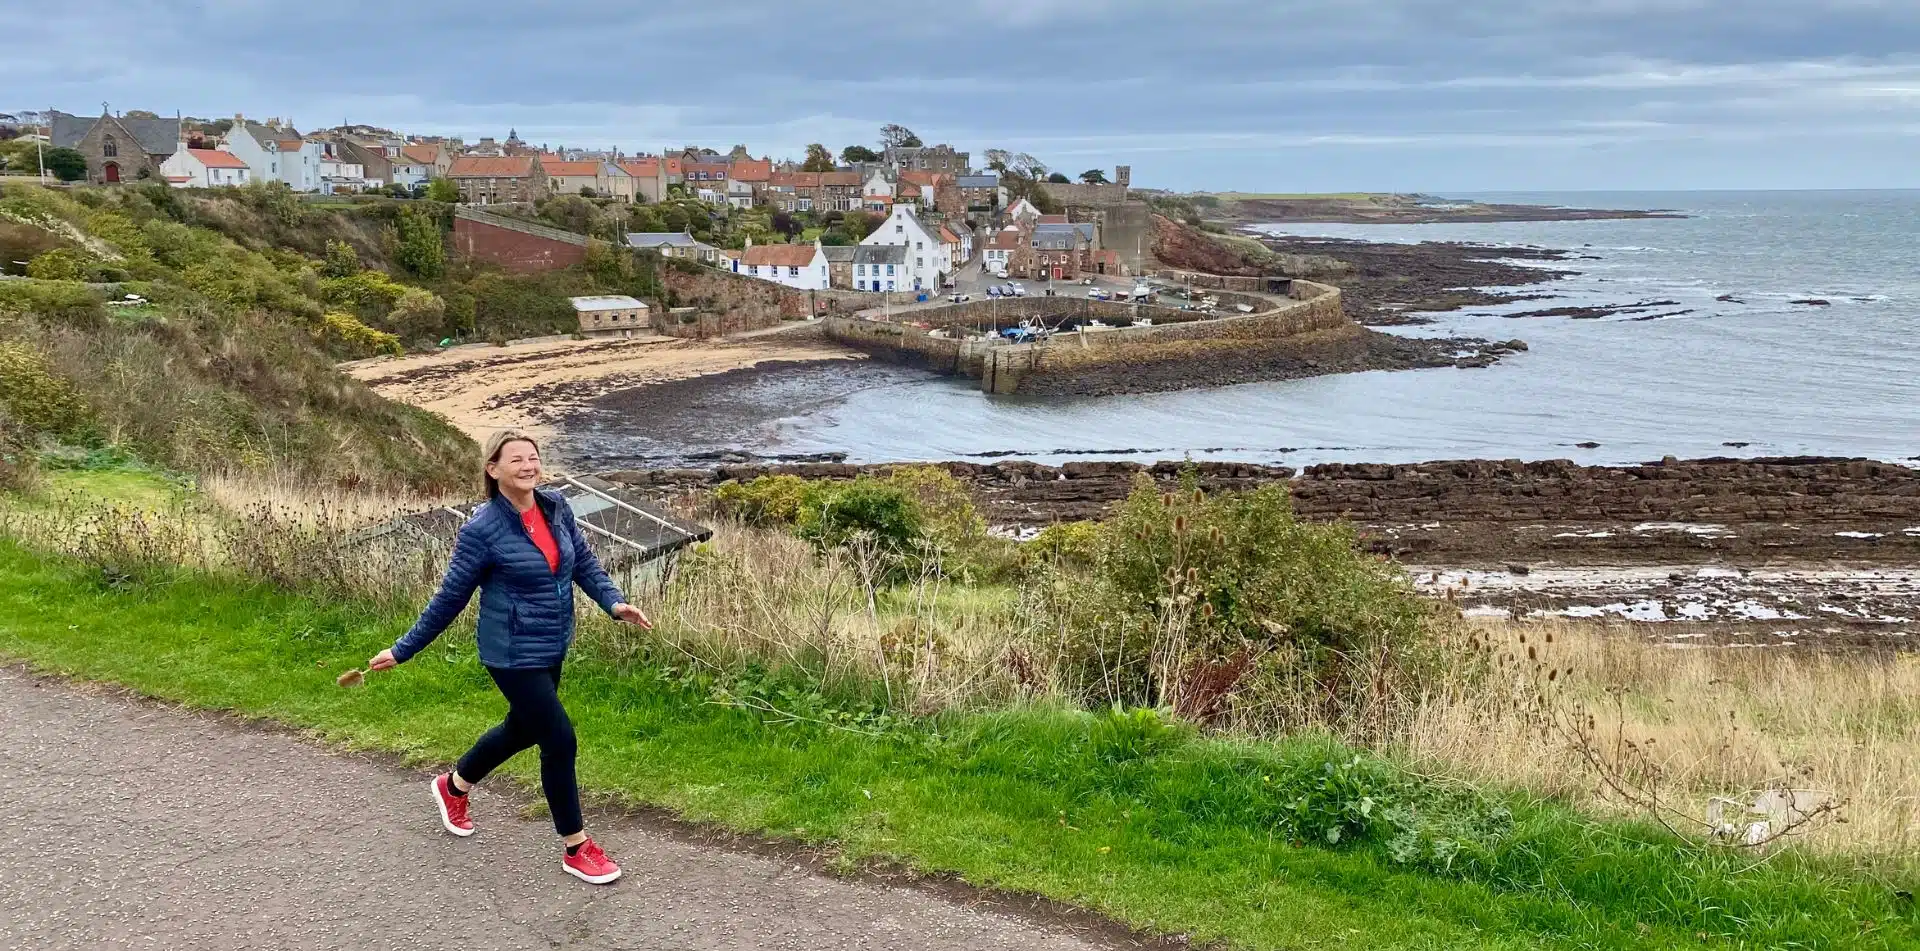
[[1268, 95]]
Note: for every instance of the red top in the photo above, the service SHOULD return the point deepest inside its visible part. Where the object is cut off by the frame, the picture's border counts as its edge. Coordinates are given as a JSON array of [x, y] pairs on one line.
[[536, 524]]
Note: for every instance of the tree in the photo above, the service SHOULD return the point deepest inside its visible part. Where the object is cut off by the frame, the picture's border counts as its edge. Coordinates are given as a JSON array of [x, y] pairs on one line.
[[893, 135], [1059, 179], [141, 114], [443, 189], [785, 224], [422, 250], [68, 165], [997, 159], [586, 191], [818, 159], [858, 153], [1094, 176], [859, 224]]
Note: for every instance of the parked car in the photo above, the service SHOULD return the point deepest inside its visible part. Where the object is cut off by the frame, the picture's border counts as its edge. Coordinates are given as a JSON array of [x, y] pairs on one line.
[[959, 298], [1019, 289], [1095, 293], [993, 290]]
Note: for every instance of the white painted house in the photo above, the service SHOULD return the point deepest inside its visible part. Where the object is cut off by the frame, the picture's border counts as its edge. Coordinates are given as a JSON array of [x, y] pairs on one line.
[[338, 173], [929, 258], [277, 154], [204, 168], [801, 266]]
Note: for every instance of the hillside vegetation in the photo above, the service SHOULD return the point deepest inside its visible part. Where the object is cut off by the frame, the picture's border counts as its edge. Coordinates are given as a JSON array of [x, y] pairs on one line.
[[222, 358]]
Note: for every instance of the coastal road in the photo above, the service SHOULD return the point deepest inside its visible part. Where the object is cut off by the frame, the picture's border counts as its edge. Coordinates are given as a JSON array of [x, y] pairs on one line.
[[126, 824]]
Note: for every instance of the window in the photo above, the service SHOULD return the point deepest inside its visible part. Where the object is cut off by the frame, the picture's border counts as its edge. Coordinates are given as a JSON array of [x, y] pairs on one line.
[[919, 245], [753, 269], [899, 229], [919, 262], [860, 269], [792, 271], [109, 147], [889, 272], [889, 285]]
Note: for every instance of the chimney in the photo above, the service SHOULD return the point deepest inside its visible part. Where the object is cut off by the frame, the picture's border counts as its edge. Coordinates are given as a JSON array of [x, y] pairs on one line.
[[1123, 175]]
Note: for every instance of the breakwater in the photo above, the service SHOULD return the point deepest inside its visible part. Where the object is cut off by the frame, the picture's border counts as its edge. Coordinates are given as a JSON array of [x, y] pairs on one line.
[[1114, 347]]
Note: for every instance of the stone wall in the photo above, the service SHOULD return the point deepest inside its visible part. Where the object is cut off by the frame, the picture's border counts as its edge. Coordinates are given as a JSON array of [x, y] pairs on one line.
[[515, 245]]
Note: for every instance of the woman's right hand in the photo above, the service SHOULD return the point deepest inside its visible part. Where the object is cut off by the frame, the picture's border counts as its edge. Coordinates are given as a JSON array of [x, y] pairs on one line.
[[383, 661]]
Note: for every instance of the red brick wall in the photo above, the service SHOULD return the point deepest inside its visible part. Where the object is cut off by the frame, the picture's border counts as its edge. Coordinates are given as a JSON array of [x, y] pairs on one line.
[[513, 250]]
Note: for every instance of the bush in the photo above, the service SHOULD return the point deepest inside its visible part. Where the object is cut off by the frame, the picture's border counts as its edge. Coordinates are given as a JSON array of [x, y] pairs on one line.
[[342, 260], [767, 501], [418, 314], [357, 338], [1071, 544], [421, 250], [1198, 602], [36, 398], [866, 510], [60, 264], [56, 301]]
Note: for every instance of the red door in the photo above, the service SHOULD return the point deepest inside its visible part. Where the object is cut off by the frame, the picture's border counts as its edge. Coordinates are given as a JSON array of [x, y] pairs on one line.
[[1056, 272], [113, 171]]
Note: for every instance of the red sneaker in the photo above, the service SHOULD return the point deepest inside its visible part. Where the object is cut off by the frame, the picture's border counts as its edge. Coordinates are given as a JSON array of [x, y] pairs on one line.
[[453, 809], [591, 865]]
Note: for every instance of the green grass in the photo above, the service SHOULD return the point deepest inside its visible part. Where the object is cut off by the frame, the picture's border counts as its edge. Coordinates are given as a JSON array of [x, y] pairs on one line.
[[1160, 829]]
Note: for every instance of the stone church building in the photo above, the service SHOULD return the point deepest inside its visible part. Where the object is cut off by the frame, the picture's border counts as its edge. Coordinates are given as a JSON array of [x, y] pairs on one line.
[[118, 149]]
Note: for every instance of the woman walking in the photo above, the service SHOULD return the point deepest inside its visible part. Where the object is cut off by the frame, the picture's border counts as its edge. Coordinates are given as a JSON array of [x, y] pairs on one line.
[[524, 551]]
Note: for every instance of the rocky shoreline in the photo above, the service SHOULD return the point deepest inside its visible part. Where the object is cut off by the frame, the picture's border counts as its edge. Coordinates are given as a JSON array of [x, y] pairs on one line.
[[1412, 209], [1389, 284], [1489, 513]]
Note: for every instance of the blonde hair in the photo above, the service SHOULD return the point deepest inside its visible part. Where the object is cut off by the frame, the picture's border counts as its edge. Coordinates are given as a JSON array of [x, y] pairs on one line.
[[495, 443]]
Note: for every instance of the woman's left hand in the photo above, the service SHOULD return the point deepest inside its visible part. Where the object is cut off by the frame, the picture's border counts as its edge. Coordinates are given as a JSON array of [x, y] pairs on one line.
[[632, 615]]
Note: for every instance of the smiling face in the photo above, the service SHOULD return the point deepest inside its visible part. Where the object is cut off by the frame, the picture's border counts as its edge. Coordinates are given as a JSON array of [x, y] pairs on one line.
[[516, 467]]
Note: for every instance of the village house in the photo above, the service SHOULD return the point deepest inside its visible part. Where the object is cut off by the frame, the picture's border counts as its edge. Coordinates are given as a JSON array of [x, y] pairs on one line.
[[814, 191], [340, 174], [611, 315], [1001, 249], [740, 194], [840, 265], [1022, 212], [876, 192], [276, 152], [117, 148], [981, 193], [603, 179], [937, 158], [497, 180], [674, 244], [376, 164], [649, 177], [957, 250], [204, 168], [928, 258], [800, 266], [755, 174], [870, 260], [939, 191], [420, 163]]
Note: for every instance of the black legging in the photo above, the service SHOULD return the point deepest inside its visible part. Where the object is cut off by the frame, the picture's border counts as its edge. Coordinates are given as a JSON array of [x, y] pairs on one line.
[[534, 716]]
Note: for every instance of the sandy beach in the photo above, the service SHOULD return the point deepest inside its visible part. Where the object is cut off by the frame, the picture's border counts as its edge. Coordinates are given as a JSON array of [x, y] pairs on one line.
[[532, 385]]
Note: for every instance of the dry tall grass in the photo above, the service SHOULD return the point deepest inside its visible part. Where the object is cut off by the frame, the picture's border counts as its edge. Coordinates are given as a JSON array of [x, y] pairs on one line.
[[1713, 721], [1717, 722]]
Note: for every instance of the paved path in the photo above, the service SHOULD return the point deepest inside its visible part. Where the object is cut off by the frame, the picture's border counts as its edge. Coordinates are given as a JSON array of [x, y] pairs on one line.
[[128, 825]]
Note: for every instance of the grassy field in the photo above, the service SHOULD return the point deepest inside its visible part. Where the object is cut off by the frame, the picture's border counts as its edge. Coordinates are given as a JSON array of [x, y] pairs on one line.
[[1125, 813]]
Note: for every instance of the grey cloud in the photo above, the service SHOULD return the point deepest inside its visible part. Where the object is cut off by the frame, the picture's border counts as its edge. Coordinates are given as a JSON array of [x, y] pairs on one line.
[[1242, 93]]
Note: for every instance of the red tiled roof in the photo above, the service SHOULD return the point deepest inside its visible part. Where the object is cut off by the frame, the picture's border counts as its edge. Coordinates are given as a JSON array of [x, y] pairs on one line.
[[214, 158], [909, 190], [919, 177], [675, 165], [753, 170], [840, 178], [423, 154], [492, 166], [779, 255], [1008, 240], [642, 168], [708, 167], [1053, 219], [290, 145], [554, 166], [794, 179], [947, 235]]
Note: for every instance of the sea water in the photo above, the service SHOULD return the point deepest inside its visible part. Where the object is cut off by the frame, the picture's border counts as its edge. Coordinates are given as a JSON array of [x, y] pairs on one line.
[[1754, 375]]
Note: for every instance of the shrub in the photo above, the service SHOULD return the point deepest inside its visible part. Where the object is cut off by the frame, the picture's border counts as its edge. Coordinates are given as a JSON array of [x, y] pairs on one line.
[[767, 501], [60, 264], [443, 190], [55, 301], [418, 314], [1073, 544], [833, 515], [19, 468], [342, 260], [35, 397], [358, 338], [1195, 602]]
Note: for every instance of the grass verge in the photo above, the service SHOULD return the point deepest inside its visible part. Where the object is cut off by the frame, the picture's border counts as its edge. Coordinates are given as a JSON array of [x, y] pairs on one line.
[[1156, 827]]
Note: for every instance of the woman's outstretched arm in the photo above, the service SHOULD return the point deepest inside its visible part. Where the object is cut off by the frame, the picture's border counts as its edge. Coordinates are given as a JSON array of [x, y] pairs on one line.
[[464, 570]]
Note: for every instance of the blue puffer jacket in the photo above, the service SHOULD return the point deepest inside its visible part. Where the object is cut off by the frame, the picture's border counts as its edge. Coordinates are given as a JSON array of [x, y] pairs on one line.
[[526, 610]]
